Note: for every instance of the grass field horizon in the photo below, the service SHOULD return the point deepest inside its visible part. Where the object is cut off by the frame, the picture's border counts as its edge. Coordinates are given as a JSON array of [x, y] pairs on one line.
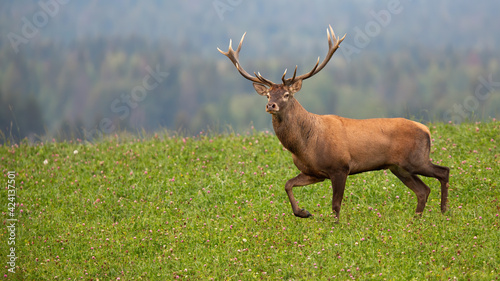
[[213, 206]]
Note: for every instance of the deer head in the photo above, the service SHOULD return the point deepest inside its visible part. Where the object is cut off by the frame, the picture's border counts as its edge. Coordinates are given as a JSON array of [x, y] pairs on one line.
[[279, 95]]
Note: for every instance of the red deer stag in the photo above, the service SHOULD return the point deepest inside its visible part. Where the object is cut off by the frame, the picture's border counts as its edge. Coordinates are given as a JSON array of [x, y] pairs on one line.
[[333, 147]]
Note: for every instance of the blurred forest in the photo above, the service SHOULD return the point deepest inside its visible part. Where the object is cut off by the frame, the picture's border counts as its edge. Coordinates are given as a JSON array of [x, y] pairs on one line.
[[78, 69]]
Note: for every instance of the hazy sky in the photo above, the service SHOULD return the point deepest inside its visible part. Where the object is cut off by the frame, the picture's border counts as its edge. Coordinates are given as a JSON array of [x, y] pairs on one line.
[[271, 24]]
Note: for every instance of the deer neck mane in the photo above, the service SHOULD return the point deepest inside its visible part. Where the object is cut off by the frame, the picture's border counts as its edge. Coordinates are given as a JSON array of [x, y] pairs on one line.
[[294, 127]]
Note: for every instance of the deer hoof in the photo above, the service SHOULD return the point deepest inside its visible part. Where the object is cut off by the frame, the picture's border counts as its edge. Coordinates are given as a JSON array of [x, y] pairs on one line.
[[303, 213], [444, 208]]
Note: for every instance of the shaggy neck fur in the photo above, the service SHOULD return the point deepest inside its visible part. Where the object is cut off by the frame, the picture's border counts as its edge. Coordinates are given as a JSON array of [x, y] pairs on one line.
[[294, 126]]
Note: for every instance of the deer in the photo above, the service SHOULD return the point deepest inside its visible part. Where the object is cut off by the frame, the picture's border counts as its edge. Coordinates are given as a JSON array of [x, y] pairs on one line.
[[330, 147]]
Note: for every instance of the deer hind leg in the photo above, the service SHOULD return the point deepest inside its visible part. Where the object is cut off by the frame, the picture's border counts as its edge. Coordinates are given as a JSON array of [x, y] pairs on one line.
[[442, 174], [420, 189], [338, 186], [300, 180]]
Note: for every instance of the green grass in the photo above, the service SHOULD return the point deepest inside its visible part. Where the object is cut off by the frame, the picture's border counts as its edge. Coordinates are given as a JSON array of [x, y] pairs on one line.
[[167, 207]]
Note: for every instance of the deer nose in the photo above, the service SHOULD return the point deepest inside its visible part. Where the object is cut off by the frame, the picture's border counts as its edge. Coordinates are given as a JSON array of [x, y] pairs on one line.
[[272, 107]]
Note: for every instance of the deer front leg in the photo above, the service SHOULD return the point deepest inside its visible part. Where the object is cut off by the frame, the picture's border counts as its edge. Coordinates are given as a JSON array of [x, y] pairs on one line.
[[300, 180], [338, 186]]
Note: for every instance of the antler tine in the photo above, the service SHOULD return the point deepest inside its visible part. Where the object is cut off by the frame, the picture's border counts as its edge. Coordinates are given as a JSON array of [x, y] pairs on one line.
[[234, 57], [283, 77], [294, 73], [241, 42], [289, 79], [333, 45], [264, 80]]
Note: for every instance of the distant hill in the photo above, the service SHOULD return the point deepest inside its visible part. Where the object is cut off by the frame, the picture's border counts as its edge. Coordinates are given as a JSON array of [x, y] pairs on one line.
[[77, 68], [467, 24]]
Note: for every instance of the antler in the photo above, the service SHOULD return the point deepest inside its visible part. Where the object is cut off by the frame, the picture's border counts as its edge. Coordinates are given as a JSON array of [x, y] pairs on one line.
[[233, 56], [333, 45]]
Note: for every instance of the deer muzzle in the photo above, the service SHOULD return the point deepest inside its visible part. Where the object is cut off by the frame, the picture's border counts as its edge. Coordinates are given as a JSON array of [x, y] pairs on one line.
[[272, 107]]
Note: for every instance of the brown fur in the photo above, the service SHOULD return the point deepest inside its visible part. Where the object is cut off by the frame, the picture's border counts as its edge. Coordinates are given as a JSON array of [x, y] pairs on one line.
[[333, 147]]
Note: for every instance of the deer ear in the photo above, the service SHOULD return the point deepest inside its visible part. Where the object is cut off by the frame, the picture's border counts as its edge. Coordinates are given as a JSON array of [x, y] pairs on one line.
[[260, 89], [296, 86]]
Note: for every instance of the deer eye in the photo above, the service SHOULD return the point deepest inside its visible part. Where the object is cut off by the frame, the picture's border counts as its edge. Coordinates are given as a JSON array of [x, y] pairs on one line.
[[286, 95]]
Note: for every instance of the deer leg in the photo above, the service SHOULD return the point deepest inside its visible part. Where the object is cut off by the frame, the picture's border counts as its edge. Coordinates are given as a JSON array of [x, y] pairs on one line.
[[442, 174], [338, 186], [300, 180], [415, 184]]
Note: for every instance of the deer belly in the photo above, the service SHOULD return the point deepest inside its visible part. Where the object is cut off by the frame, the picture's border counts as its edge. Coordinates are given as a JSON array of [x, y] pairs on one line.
[[311, 169], [369, 162]]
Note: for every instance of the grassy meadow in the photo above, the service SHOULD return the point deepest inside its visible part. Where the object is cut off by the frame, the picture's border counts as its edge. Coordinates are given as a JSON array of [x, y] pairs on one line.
[[167, 206]]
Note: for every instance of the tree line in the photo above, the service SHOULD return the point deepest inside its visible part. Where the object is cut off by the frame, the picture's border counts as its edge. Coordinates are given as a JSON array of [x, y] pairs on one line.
[[106, 85]]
